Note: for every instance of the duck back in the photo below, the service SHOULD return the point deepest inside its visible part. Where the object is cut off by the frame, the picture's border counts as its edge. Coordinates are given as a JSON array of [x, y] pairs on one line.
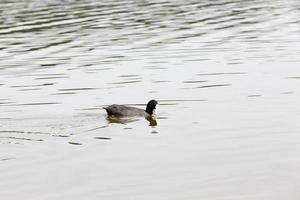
[[124, 111]]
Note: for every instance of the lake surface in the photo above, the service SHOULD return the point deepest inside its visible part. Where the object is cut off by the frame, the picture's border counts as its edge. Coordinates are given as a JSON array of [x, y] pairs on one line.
[[226, 74]]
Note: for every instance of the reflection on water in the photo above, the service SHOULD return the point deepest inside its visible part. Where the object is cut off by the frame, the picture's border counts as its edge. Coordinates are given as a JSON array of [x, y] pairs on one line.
[[120, 120], [226, 73], [75, 143], [102, 138], [153, 121]]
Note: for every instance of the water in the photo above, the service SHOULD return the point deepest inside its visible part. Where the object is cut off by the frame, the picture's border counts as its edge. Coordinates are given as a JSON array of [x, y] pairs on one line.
[[226, 75]]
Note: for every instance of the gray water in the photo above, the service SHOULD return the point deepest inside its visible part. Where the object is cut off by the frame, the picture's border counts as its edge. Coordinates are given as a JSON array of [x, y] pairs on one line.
[[226, 74]]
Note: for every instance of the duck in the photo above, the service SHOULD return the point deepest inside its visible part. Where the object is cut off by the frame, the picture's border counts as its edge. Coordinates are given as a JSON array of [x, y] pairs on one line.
[[129, 111]]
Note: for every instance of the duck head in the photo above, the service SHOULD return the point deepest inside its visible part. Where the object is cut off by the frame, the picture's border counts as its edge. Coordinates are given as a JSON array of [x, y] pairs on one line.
[[152, 107]]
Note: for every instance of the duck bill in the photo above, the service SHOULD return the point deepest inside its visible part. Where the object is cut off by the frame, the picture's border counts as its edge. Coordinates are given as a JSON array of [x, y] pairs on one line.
[[154, 113]]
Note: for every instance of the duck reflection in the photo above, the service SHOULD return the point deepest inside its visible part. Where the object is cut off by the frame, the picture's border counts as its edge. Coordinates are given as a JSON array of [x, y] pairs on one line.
[[125, 120], [120, 120], [152, 121]]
